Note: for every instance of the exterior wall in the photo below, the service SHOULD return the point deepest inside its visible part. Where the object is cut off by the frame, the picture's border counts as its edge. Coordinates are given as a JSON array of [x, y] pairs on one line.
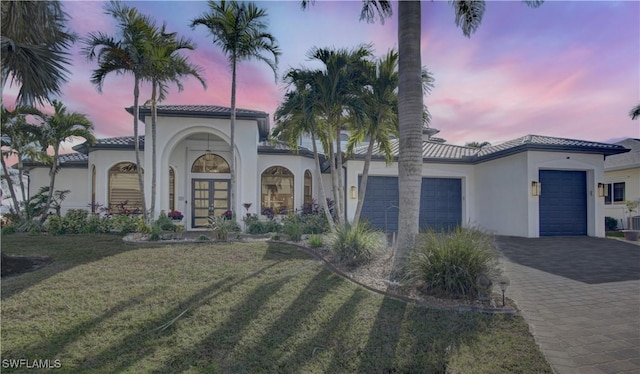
[[433, 170], [502, 196], [631, 178], [73, 179]]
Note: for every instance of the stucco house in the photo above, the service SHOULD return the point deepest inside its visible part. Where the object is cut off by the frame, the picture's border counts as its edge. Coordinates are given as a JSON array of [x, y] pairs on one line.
[[622, 179], [530, 186]]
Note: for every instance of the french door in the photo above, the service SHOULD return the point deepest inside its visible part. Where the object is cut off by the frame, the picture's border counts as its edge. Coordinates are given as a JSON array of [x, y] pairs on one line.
[[209, 197]]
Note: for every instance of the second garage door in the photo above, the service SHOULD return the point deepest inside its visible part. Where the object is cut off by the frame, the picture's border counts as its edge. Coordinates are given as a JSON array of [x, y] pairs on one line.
[[563, 202], [440, 203]]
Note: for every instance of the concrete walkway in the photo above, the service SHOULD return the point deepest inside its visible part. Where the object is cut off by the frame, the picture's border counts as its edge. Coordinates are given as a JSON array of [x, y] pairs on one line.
[[581, 299]]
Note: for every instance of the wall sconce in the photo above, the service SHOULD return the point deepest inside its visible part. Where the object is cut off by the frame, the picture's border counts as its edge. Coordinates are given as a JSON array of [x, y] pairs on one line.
[[354, 192], [602, 190], [536, 188]]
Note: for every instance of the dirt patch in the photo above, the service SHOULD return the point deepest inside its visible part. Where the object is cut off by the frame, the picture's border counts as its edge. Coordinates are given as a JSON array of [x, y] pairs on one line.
[[14, 265]]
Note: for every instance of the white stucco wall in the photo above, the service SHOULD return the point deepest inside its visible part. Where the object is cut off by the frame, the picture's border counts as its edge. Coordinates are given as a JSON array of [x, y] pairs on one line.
[[631, 179], [72, 179]]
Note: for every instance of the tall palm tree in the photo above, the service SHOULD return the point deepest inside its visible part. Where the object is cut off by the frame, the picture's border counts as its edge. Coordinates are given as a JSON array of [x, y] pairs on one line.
[[34, 40], [58, 128], [124, 54], [635, 112], [19, 138], [295, 116], [240, 30], [339, 88], [166, 65]]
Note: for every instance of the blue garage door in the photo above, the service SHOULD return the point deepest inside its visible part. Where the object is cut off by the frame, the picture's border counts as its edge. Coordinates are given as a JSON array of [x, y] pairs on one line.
[[563, 202], [440, 203]]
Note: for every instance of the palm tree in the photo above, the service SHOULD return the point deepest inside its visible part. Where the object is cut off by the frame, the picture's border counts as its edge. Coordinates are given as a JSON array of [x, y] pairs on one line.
[[34, 40], [58, 128], [477, 144], [339, 91], [18, 139], [125, 55], [635, 112], [167, 65], [295, 116], [240, 31]]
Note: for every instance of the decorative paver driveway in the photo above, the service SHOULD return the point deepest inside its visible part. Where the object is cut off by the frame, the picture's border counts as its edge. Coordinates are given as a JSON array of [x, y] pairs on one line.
[[581, 298]]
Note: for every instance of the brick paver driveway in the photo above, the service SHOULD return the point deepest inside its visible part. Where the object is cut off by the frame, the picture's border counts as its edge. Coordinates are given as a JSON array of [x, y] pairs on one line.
[[581, 298]]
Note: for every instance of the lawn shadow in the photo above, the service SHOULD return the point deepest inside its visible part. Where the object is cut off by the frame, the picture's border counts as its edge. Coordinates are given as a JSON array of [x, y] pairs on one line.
[[66, 253]]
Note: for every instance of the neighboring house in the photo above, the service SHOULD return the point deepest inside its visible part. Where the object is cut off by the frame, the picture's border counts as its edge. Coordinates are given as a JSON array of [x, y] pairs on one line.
[[622, 178], [6, 202], [494, 188]]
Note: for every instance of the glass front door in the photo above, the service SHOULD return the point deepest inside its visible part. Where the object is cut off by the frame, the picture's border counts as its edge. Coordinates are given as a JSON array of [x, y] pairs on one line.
[[210, 197]]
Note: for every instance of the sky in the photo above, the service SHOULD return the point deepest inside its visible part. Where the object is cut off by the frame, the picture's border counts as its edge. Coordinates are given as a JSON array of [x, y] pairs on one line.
[[565, 69]]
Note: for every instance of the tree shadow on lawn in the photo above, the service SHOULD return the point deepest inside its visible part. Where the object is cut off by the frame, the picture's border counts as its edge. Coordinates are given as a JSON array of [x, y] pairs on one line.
[[66, 252]]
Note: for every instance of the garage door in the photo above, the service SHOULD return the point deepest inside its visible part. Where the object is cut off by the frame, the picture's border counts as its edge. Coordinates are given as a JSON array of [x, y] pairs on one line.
[[440, 203], [563, 202]]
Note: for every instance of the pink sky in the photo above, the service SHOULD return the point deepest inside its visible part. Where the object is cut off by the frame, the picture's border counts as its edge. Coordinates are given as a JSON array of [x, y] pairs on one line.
[[566, 69]]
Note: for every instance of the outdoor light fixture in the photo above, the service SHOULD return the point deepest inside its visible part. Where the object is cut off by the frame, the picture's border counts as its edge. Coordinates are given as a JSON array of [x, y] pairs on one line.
[[354, 192], [536, 188], [602, 190], [504, 283]]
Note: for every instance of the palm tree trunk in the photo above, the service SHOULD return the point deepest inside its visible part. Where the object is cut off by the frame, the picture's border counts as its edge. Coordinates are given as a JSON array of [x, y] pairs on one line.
[[340, 176], [334, 180], [53, 170], [136, 142], [233, 135], [323, 194], [11, 190], [410, 109], [23, 189], [363, 182], [154, 119]]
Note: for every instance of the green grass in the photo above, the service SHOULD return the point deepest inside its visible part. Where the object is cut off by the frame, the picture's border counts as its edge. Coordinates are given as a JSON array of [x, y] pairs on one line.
[[105, 307]]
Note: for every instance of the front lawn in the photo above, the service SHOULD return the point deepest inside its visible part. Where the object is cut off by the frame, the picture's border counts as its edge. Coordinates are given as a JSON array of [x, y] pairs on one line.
[[102, 306]]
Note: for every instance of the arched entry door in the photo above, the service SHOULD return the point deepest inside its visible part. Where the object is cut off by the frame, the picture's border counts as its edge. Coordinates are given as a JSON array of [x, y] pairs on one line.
[[209, 193]]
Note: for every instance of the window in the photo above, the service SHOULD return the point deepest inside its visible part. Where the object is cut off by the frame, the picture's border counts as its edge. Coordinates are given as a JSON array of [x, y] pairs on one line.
[[308, 181], [277, 189], [615, 193], [172, 189], [124, 188], [210, 163]]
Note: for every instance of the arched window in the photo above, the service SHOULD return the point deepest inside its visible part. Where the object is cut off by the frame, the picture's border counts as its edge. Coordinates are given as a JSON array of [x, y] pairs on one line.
[[124, 189], [172, 189], [277, 189], [308, 187], [210, 163], [93, 188]]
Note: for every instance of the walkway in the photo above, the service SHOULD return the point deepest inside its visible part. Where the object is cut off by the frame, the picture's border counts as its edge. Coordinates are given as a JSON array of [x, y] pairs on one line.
[[581, 298]]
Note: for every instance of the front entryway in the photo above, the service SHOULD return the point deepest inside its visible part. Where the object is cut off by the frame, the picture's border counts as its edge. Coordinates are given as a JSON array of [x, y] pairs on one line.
[[209, 197]]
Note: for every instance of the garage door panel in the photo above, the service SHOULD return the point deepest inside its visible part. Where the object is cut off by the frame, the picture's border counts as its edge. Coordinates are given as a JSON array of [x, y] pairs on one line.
[[563, 202], [440, 203]]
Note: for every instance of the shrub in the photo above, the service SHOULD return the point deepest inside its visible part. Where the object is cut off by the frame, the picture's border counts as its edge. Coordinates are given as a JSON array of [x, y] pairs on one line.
[[164, 222], [125, 223], [316, 241], [54, 225], [292, 226], [254, 225], [203, 238], [355, 245], [222, 227], [452, 263], [32, 226], [74, 221], [8, 230], [268, 211], [315, 223], [175, 215], [92, 224], [610, 223]]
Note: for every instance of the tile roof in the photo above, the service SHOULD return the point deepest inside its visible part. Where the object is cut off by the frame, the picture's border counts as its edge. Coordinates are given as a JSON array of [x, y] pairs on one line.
[[625, 160], [201, 110], [448, 152]]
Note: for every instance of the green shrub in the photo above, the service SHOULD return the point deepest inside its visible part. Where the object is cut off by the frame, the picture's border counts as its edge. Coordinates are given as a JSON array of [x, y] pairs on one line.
[[292, 226], [74, 221], [610, 223], [8, 230], [164, 222], [125, 223], [254, 225], [355, 245], [222, 227], [203, 238], [316, 241], [92, 224], [32, 226], [154, 236], [451, 263], [54, 225], [315, 223]]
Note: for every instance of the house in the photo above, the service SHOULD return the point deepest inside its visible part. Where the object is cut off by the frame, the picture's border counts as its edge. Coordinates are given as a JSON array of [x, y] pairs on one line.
[[530, 186], [622, 179]]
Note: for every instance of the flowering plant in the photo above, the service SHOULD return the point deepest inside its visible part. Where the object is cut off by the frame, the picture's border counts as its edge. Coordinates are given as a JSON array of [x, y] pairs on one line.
[[175, 214], [227, 215]]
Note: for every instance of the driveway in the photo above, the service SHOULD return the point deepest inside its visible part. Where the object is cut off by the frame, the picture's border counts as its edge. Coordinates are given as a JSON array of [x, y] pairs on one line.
[[581, 298]]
